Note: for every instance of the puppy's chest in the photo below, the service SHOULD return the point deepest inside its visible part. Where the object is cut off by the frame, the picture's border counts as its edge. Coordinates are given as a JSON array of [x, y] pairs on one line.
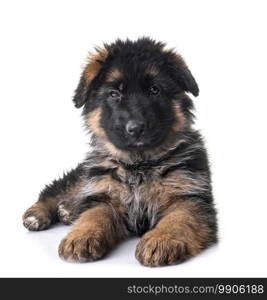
[[141, 193], [135, 191], [138, 199], [133, 187]]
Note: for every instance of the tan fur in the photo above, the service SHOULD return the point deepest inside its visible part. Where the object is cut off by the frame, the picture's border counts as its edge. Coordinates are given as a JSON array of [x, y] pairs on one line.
[[93, 121], [180, 234], [41, 209], [106, 184], [165, 191], [42, 212], [113, 75], [191, 226], [180, 119], [92, 236], [156, 249], [94, 64]]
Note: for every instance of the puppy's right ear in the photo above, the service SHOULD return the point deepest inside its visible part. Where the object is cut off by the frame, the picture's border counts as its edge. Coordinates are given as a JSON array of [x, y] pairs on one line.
[[92, 69]]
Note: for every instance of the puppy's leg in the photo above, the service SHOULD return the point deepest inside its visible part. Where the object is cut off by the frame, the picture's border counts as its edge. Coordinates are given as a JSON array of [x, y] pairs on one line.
[[187, 228], [96, 232], [45, 210]]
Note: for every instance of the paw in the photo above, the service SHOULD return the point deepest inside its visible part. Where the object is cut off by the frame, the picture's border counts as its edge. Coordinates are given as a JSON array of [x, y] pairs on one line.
[[160, 250], [64, 215], [36, 218], [79, 247]]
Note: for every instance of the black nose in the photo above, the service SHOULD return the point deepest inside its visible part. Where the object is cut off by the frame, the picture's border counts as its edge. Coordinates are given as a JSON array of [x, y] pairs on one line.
[[135, 128]]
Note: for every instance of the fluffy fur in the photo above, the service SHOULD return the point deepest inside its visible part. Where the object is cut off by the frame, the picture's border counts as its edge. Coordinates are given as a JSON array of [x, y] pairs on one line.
[[147, 171]]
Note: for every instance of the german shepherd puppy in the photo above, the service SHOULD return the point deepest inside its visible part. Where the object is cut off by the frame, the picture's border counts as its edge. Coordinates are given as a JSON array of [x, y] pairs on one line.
[[146, 172]]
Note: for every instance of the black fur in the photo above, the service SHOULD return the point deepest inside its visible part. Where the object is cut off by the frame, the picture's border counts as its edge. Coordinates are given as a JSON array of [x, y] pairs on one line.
[[141, 135], [135, 100]]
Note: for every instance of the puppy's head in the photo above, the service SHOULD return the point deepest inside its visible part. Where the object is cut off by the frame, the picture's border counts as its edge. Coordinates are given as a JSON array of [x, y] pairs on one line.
[[133, 93]]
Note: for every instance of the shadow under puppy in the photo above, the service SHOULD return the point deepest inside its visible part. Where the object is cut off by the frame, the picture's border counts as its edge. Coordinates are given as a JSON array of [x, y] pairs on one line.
[[146, 173]]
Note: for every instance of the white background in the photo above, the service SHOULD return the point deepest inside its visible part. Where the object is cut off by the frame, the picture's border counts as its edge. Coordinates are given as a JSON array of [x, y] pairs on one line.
[[42, 49]]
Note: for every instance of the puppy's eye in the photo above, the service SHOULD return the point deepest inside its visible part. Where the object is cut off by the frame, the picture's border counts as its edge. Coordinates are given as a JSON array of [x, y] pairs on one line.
[[154, 90], [114, 94]]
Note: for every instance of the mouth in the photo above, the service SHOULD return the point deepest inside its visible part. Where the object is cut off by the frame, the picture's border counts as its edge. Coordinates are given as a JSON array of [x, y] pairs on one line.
[[137, 145], [141, 144]]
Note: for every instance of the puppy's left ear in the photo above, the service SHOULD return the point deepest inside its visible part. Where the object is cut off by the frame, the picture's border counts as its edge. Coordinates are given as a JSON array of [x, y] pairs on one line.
[[184, 76], [91, 71]]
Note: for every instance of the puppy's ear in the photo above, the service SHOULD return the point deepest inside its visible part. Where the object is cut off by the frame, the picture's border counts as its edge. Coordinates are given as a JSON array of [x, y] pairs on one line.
[[81, 92], [184, 77], [92, 69]]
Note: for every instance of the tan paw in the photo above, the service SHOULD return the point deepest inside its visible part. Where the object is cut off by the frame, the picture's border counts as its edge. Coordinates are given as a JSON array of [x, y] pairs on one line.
[[81, 247], [37, 218], [160, 250]]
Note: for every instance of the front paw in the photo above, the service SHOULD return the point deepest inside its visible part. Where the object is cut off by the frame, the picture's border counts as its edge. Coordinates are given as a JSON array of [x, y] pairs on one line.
[[158, 250], [37, 218], [82, 247]]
